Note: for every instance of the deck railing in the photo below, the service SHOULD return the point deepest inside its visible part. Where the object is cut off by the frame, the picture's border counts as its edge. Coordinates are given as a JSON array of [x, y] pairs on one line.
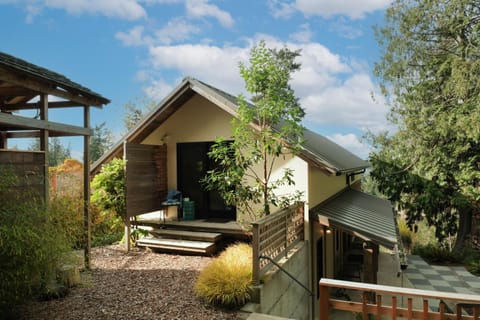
[[419, 304], [274, 235]]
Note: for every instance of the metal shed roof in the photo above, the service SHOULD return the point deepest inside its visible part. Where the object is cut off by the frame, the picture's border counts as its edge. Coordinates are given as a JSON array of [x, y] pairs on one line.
[[363, 214]]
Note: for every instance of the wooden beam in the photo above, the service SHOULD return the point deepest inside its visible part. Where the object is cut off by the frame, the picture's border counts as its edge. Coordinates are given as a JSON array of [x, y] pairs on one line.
[[29, 123], [16, 91], [35, 105], [32, 134], [45, 87]]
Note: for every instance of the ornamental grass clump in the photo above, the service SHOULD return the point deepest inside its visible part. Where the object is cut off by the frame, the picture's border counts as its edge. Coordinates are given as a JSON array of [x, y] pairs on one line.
[[227, 280]]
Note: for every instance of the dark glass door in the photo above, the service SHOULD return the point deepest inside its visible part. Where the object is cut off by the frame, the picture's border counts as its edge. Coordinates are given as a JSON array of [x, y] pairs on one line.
[[192, 165]]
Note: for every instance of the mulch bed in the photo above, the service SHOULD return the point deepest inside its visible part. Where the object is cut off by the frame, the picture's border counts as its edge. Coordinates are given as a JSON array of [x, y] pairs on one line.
[[138, 285]]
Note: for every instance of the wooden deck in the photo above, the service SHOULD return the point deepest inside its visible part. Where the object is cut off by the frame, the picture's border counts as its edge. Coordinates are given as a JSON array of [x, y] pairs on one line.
[[203, 236], [228, 228]]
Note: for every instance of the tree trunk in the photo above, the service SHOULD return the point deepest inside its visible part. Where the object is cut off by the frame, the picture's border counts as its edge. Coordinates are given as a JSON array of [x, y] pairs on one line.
[[464, 230]]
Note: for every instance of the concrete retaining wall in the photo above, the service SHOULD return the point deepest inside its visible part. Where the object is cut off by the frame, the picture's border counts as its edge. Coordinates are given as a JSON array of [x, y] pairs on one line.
[[282, 296]]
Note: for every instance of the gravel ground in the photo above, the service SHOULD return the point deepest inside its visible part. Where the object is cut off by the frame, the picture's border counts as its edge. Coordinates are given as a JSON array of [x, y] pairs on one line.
[[138, 285]]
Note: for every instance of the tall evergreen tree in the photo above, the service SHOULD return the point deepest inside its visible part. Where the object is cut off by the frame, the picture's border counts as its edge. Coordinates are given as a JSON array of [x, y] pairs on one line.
[[100, 142], [57, 152], [430, 72], [136, 110]]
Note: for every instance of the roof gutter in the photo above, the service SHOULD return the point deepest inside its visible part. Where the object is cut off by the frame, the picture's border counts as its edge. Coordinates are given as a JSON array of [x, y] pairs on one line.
[[351, 176]]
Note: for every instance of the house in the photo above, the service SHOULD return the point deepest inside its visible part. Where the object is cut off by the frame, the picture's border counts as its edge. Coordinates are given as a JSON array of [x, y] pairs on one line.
[[27, 88], [342, 226]]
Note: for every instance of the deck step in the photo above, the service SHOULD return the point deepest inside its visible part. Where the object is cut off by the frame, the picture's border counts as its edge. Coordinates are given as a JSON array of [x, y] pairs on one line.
[[178, 245], [186, 235]]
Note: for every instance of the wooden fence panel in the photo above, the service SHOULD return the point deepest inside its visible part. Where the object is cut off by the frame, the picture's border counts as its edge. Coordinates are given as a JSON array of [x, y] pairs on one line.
[[28, 170], [274, 235], [146, 177]]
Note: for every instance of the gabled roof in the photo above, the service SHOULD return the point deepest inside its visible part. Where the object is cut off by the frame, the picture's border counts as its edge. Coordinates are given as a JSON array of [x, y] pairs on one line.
[[317, 150], [365, 215], [19, 72]]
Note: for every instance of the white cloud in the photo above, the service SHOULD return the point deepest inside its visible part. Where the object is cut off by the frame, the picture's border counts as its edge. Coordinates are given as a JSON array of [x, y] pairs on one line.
[[142, 76], [280, 9], [158, 89], [201, 8], [133, 37], [303, 35], [176, 29], [215, 65], [347, 103], [32, 12], [355, 9], [333, 90], [344, 29], [124, 9], [351, 143]]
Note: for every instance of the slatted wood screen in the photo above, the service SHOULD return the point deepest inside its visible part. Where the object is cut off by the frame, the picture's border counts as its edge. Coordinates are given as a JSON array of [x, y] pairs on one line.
[[146, 177], [28, 168]]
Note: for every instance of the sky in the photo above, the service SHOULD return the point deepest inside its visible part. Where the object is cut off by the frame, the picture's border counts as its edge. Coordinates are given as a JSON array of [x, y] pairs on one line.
[[129, 50]]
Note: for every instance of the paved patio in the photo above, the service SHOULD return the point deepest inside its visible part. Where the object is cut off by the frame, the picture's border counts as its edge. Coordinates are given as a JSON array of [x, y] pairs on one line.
[[441, 278]]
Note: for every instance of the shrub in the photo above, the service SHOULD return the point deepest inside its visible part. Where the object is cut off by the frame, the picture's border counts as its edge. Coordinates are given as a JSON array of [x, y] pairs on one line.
[[68, 215], [109, 188], [107, 228], [227, 280], [405, 234], [437, 254], [34, 240]]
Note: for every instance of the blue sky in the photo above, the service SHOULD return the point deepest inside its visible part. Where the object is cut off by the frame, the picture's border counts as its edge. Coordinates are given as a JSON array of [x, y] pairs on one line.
[[129, 49]]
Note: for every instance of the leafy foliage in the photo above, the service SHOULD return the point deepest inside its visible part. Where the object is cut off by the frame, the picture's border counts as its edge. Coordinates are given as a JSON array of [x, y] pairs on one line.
[[227, 281], [430, 71], [107, 227], [109, 188], [35, 240], [262, 133]]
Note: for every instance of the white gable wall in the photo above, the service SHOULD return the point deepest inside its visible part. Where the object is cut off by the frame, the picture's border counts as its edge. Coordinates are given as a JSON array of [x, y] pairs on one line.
[[199, 120]]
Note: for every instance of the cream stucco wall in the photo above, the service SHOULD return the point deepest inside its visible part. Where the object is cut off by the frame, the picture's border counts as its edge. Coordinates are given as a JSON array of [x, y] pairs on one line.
[[323, 186], [198, 120]]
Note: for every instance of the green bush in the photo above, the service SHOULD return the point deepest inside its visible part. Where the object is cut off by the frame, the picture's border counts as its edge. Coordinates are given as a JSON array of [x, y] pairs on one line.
[[109, 206], [405, 234], [107, 227], [34, 241], [437, 254], [68, 215], [227, 280]]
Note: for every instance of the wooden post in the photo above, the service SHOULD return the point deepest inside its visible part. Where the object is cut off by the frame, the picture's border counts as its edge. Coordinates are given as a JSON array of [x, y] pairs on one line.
[[3, 140], [324, 302], [86, 189], [394, 307], [410, 308], [425, 309], [256, 255], [379, 307], [44, 143], [127, 218], [364, 305]]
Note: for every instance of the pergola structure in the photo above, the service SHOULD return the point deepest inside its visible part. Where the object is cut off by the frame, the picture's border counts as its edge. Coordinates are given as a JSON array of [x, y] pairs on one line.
[[25, 86]]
